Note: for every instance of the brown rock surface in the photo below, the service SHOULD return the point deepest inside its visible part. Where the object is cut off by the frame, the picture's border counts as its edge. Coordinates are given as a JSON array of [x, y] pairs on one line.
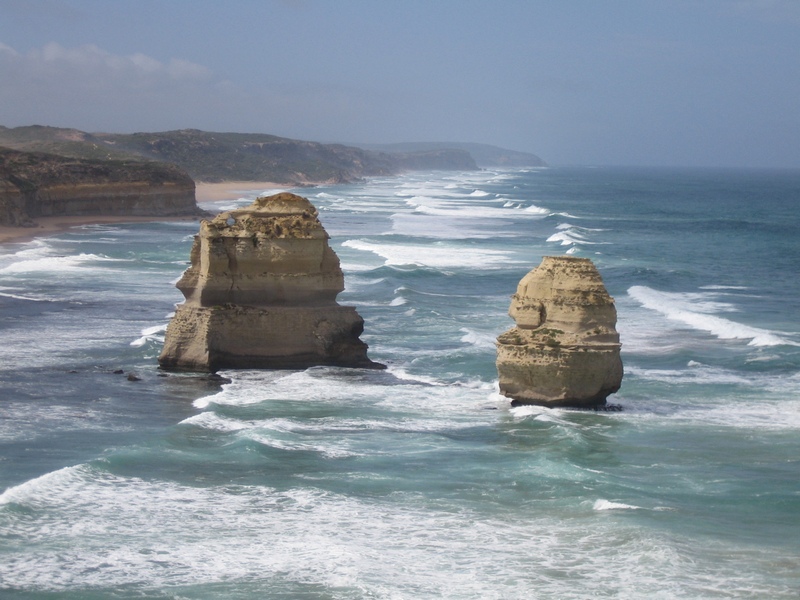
[[261, 293], [564, 350], [34, 185]]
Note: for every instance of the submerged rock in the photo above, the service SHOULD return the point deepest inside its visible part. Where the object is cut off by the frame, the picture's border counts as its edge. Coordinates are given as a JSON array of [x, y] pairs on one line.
[[565, 349], [261, 293]]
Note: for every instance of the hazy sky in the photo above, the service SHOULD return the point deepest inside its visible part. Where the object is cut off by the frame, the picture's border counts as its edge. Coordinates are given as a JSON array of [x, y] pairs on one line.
[[626, 82]]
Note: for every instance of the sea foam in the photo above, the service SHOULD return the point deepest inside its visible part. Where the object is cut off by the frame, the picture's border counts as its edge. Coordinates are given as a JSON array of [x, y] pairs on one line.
[[57, 264], [150, 334], [168, 535], [432, 255], [478, 339], [573, 235], [602, 504], [694, 310]]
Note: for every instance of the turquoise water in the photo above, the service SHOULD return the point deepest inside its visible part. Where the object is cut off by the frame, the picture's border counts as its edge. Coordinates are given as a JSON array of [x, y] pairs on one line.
[[419, 481]]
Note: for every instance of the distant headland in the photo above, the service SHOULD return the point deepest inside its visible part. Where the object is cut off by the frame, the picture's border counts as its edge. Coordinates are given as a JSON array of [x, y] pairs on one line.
[[215, 157], [485, 155], [48, 172]]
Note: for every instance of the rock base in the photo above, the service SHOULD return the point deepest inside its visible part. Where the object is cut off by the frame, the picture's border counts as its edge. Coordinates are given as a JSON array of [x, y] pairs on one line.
[[240, 337], [549, 375]]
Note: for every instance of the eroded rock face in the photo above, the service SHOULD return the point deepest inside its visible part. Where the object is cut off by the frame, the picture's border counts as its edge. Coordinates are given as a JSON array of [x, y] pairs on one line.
[[261, 293], [564, 350], [33, 184]]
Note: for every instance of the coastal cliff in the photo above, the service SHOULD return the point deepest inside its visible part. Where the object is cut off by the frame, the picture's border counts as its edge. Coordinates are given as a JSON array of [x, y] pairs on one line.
[[564, 350], [224, 156], [35, 184], [484, 155], [261, 293], [440, 159]]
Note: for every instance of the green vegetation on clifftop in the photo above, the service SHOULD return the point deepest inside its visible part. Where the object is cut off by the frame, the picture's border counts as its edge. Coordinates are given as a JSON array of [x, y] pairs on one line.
[[210, 156], [31, 170], [485, 155]]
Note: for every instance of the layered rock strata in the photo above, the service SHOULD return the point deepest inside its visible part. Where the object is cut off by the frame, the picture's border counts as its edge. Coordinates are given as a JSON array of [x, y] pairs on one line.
[[564, 350], [34, 184], [261, 293]]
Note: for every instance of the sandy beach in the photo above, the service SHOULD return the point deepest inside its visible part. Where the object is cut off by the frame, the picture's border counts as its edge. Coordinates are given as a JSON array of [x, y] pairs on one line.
[[231, 190], [205, 192]]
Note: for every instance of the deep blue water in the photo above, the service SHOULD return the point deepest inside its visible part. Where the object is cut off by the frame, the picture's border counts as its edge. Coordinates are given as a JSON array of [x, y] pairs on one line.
[[419, 481]]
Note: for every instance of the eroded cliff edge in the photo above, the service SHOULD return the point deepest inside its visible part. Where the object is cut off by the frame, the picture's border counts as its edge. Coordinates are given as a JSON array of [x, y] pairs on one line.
[[35, 184], [218, 156], [565, 349], [261, 293]]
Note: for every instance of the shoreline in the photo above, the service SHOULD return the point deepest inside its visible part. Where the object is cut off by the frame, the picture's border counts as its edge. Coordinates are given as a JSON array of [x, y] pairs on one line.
[[47, 226], [204, 192], [233, 190]]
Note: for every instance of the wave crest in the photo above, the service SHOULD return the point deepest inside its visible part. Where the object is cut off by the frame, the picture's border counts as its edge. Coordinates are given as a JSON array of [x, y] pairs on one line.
[[695, 310]]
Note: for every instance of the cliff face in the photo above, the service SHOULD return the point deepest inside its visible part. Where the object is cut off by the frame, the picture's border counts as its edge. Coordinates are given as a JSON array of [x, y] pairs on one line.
[[214, 156], [261, 293], [136, 198], [564, 350], [219, 156], [41, 185], [484, 155], [442, 159]]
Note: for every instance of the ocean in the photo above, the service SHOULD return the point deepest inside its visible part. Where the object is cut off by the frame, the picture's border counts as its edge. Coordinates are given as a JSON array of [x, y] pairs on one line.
[[420, 481]]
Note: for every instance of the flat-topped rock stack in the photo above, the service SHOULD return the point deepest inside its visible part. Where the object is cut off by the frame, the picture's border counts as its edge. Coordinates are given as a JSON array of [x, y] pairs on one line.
[[261, 293], [564, 350]]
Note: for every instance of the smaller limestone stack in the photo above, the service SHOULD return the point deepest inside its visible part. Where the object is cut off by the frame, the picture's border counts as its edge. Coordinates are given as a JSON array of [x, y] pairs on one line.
[[261, 293], [565, 349]]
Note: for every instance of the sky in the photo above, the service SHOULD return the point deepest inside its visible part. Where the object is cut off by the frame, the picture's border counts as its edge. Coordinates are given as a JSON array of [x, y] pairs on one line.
[[577, 82]]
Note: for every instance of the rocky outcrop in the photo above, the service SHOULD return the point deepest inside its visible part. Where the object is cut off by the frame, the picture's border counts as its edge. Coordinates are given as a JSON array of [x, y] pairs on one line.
[[34, 184], [12, 206], [261, 293], [564, 350]]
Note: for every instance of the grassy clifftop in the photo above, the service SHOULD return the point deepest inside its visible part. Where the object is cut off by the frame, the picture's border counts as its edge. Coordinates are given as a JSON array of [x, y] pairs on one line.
[[212, 156], [485, 155], [32, 170]]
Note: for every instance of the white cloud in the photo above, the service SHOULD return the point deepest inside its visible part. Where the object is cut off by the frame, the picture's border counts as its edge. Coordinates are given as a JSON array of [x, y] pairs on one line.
[[183, 69], [8, 50], [94, 61], [90, 88]]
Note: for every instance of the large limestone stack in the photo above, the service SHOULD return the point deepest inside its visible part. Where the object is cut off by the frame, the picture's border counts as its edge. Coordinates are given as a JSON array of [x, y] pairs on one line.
[[565, 349], [261, 293]]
